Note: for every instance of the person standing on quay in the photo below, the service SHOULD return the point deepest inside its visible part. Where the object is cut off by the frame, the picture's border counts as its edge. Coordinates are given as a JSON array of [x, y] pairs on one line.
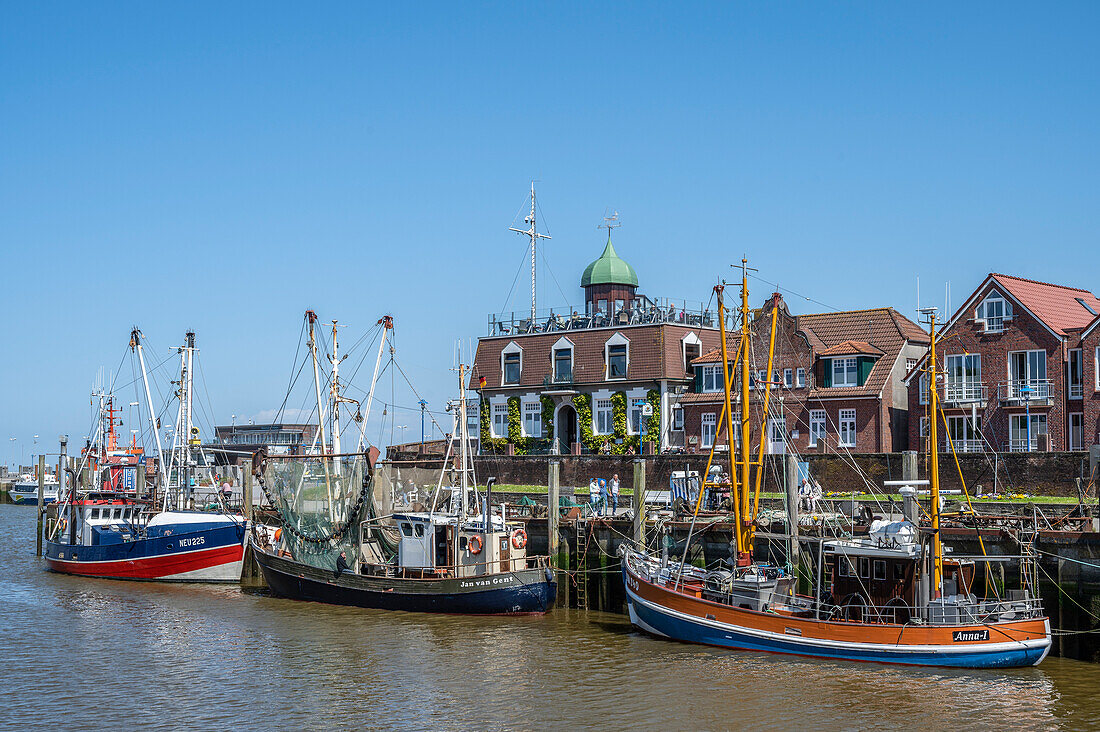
[[614, 494], [594, 495], [604, 498]]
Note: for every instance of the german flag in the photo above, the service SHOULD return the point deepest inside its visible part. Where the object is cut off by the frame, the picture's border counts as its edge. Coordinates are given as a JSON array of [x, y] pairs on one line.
[[481, 382]]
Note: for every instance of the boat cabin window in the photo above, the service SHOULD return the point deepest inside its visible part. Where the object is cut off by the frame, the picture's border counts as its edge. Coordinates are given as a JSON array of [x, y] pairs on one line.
[[462, 543], [419, 530], [94, 514], [880, 569], [899, 571], [865, 568], [845, 567], [407, 529]]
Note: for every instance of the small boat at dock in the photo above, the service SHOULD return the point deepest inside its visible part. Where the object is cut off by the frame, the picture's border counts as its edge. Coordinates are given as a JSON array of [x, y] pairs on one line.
[[25, 490]]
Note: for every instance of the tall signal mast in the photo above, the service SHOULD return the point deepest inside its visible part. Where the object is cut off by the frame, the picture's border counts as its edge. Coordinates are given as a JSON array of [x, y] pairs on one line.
[[535, 236]]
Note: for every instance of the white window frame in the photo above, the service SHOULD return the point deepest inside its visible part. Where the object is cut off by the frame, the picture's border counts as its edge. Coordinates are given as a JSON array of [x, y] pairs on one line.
[[788, 378], [846, 422], [532, 419], [633, 417], [844, 362], [616, 340], [924, 428], [800, 378], [960, 384], [499, 424], [1019, 444], [1078, 355], [562, 344], [601, 411], [993, 323], [677, 418], [817, 426], [922, 388], [1041, 384], [713, 373], [1077, 441], [909, 364], [708, 429], [511, 348], [689, 340]]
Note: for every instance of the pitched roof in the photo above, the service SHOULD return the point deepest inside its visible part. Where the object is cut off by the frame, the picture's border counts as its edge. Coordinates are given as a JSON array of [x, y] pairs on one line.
[[1060, 307], [852, 348]]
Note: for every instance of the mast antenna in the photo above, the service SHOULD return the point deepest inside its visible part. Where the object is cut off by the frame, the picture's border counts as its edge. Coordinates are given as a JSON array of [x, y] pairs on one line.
[[534, 235]]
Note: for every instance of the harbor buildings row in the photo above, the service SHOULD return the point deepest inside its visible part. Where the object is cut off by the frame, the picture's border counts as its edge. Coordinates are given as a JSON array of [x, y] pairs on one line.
[[628, 372]]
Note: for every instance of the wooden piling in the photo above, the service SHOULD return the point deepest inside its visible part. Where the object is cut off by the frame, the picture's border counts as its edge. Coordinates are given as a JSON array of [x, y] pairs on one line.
[[41, 502], [553, 513], [639, 502]]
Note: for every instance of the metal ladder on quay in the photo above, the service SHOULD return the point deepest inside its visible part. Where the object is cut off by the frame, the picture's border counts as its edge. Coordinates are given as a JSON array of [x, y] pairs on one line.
[[581, 575]]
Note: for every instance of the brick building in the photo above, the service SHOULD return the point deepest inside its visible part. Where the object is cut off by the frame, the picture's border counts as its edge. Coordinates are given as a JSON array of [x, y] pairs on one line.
[[1017, 369], [837, 381], [607, 377]]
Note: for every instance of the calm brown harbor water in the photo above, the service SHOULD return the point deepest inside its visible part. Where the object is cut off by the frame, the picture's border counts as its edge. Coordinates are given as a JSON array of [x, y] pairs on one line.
[[97, 654]]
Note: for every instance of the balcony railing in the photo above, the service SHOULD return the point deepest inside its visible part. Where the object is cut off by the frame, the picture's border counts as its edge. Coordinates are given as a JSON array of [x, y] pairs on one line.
[[642, 311], [965, 446], [558, 380], [1076, 391], [964, 391], [1022, 444], [1021, 391]]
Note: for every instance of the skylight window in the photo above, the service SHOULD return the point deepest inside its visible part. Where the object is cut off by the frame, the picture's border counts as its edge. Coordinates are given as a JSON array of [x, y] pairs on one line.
[[1085, 305]]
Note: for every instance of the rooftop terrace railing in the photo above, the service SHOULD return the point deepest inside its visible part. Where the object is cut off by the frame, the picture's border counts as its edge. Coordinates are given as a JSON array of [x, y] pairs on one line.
[[642, 311]]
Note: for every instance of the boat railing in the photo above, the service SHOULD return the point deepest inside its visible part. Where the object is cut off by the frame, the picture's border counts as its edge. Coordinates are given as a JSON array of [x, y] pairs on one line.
[[461, 571]]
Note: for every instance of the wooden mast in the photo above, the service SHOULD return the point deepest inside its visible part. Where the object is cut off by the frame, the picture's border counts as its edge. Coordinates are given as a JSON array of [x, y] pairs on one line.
[[743, 519]]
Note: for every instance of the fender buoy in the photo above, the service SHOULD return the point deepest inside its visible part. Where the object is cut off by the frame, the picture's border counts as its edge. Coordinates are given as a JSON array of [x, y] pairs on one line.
[[474, 545], [519, 538], [278, 534]]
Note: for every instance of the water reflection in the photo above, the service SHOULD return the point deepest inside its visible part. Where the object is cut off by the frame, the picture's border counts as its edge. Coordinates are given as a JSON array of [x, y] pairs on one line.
[[91, 653]]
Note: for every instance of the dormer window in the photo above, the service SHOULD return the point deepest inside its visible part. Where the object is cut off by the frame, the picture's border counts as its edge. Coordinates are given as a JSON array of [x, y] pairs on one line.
[[693, 348], [511, 363], [845, 372], [563, 361], [993, 311], [617, 353]]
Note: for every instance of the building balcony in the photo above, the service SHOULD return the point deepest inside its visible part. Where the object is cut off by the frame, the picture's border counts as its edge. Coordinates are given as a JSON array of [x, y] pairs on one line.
[[964, 393], [1038, 443], [1025, 393], [558, 379], [1076, 391], [964, 446], [641, 311]]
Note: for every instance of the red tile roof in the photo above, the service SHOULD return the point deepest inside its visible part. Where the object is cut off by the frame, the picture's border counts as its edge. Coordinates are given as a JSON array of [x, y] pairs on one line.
[[852, 348], [1062, 308]]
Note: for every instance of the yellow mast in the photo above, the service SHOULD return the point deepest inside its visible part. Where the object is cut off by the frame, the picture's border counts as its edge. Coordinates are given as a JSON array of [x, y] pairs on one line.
[[764, 425], [727, 417], [743, 521], [934, 465]]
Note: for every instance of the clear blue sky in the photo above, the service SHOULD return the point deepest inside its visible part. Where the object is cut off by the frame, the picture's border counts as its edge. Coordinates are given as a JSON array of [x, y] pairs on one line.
[[223, 167]]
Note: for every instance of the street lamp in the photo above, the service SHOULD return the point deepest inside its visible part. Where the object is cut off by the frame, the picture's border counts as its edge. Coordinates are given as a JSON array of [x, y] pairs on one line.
[[402, 427], [423, 407]]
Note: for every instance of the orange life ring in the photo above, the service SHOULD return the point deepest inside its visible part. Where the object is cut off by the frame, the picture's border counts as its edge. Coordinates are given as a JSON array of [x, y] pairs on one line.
[[519, 538], [474, 545]]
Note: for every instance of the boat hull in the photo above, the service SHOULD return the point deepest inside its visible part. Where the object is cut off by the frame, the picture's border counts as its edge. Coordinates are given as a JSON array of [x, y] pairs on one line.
[[205, 555], [522, 592], [661, 612], [29, 499]]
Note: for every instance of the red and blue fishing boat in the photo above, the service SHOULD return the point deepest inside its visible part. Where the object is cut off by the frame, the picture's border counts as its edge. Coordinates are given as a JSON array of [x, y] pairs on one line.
[[114, 536], [890, 596]]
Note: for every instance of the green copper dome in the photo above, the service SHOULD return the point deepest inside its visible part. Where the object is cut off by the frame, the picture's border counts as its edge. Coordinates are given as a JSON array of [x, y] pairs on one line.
[[609, 269]]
